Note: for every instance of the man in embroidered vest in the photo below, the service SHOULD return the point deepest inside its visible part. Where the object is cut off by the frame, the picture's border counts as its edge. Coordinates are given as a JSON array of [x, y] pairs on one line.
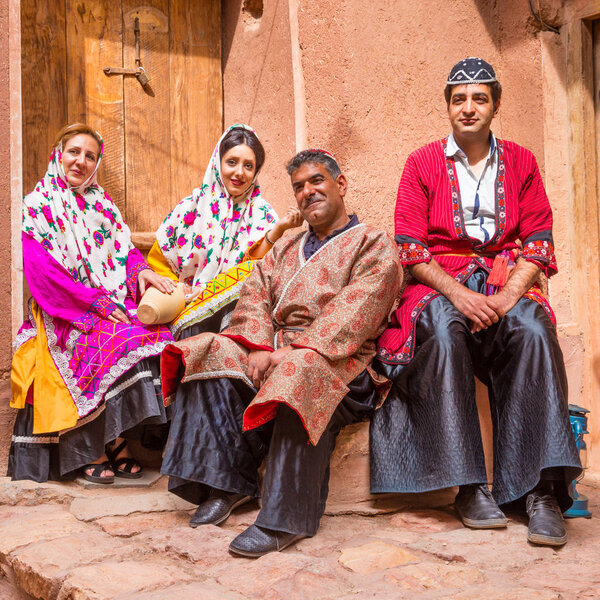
[[287, 374], [474, 229]]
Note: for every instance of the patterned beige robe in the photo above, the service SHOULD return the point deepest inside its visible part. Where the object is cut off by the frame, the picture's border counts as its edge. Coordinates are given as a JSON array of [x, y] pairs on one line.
[[330, 308]]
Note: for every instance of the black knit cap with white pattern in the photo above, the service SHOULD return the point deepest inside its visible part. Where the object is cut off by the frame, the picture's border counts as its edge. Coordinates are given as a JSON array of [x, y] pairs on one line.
[[471, 70]]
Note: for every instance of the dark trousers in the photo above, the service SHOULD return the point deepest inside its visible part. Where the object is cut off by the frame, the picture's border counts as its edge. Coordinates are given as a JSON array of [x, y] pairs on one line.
[[207, 448], [427, 434]]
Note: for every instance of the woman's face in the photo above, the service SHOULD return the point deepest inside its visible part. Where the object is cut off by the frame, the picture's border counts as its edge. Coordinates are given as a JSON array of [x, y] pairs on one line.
[[238, 167], [79, 157]]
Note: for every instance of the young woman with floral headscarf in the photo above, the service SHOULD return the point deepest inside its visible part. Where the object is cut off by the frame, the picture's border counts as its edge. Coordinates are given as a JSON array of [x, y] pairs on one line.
[[210, 240], [85, 369]]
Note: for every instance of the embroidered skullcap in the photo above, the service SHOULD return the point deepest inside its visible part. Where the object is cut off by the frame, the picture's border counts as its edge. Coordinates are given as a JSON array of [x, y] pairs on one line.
[[322, 151], [471, 70]]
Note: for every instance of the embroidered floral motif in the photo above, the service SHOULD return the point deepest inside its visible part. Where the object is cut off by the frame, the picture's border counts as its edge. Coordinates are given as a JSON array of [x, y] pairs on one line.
[[540, 250], [411, 254], [457, 214], [500, 195], [132, 278], [122, 355]]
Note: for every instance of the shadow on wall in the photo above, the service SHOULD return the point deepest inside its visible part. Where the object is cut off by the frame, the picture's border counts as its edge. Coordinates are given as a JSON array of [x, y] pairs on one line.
[[247, 12]]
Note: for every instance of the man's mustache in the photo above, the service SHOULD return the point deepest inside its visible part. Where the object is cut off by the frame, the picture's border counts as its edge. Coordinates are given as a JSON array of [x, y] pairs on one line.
[[316, 196]]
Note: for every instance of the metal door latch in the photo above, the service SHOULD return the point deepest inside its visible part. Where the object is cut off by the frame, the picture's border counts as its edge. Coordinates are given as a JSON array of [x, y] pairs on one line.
[[139, 72]]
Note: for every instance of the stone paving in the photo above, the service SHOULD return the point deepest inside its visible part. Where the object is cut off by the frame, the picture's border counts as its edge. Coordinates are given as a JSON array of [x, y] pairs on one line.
[[65, 542]]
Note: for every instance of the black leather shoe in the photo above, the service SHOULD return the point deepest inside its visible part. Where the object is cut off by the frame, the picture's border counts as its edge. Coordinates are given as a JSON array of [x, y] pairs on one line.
[[257, 541], [477, 508], [546, 524], [217, 507]]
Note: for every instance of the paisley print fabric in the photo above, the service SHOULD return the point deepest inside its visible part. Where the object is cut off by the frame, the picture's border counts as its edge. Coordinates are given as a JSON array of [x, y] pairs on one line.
[[330, 309], [81, 228], [209, 231]]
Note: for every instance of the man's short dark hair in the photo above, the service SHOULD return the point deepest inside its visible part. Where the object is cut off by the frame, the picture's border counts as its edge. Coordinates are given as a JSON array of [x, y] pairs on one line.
[[314, 156], [495, 91]]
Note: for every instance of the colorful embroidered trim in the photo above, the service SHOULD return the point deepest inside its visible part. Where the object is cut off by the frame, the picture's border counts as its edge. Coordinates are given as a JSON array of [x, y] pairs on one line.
[[457, 209], [220, 291], [411, 254], [84, 400], [132, 278], [537, 296], [405, 354], [540, 250], [102, 306]]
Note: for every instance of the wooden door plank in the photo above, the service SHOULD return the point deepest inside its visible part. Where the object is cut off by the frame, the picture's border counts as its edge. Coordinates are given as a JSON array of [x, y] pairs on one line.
[[94, 40], [584, 210], [196, 90], [147, 127], [43, 89]]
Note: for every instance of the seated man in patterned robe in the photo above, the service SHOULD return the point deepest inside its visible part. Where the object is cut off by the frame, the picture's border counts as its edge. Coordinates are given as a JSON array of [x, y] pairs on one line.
[[287, 374], [474, 228]]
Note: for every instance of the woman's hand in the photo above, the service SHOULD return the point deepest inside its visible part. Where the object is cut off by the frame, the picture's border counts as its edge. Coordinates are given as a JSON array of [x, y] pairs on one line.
[[148, 277], [293, 218], [118, 316]]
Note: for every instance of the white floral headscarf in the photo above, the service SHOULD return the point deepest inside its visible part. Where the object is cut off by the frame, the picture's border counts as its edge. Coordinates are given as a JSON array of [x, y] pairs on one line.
[[209, 231], [81, 228]]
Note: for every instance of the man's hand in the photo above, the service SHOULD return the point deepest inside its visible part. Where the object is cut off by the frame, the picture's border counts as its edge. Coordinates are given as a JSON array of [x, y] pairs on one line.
[[276, 357], [148, 277], [258, 363], [476, 307], [118, 316], [502, 302]]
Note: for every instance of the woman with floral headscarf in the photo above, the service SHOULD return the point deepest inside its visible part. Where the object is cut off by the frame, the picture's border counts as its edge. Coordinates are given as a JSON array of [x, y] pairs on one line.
[[85, 369], [210, 240]]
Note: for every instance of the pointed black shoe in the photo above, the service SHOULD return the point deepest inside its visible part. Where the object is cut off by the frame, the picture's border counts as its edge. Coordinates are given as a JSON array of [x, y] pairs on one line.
[[477, 508], [217, 507], [546, 524], [257, 541]]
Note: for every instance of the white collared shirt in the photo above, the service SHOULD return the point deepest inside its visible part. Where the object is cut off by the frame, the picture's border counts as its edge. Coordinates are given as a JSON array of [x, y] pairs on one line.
[[478, 195]]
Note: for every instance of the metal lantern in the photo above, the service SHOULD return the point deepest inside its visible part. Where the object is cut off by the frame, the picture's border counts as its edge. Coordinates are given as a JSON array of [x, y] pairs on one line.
[[578, 418]]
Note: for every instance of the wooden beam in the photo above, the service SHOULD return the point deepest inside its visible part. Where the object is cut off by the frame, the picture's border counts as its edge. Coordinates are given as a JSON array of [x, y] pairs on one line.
[[143, 240], [575, 10], [16, 162]]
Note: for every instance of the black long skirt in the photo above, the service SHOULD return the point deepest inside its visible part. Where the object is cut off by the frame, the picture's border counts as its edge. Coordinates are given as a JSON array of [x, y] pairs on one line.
[[427, 434], [133, 401]]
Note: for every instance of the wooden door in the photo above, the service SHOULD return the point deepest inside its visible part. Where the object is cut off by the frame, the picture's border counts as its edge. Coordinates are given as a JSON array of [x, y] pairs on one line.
[[158, 139]]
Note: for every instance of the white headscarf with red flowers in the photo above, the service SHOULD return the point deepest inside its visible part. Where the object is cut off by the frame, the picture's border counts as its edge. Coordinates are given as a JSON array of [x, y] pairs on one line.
[[81, 228], [209, 231]]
